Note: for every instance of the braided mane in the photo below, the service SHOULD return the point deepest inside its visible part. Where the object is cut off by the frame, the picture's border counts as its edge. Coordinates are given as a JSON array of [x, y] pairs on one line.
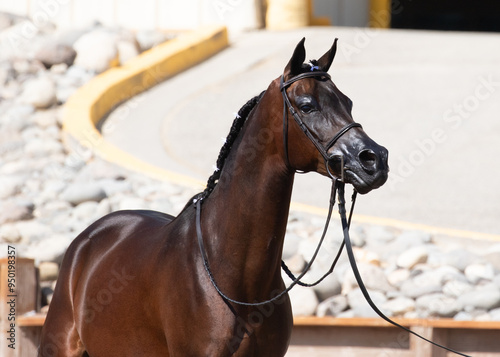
[[238, 122]]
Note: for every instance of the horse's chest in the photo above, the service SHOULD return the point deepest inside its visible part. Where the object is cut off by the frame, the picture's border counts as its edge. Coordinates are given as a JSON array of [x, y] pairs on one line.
[[265, 331]]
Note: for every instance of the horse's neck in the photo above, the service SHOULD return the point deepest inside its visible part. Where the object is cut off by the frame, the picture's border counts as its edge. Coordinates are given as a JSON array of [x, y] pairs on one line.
[[247, 212]]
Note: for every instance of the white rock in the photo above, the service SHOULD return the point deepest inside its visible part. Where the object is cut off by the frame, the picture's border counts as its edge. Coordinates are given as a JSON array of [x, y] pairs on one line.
[[52, 188], [81, 192], [477, 272], [43, 147], [48, 271], [64, 93], [85, 211], [413, 256], [9, 186], [21, 166], [380, 234], [366, 256], [486, 299], [420, 285], [60, 68], [304, 301], [415, 238], [296, 263], [496, 280], [398, 276], [373, 277], [45, 118], [33, 231], [39, 92], [495, 314], [14, 211], [494, 259], [456, 288], [103, 208], [330, 285], [291, 245], [132, 203], [150, 38], [126, 50], [438, 305], [9, 233], [50, 249], [358, 236], [332, 306], [459, 258], [463, 316], [96, 50], [399, 306], [17, 117], [54, 53], [360, 306]]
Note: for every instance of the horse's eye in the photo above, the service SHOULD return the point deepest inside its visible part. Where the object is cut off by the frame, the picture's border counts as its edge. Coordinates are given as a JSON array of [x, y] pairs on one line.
[[306, 108]]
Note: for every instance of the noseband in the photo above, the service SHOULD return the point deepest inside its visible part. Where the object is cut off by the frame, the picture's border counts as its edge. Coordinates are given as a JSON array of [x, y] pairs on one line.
[[287, 104]]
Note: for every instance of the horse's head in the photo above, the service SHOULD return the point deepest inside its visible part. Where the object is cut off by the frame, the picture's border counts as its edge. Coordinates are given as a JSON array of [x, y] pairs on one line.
[[334, 144]]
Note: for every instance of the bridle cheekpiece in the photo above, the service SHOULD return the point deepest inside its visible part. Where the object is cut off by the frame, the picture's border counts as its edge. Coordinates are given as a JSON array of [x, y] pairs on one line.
[[287, 104]]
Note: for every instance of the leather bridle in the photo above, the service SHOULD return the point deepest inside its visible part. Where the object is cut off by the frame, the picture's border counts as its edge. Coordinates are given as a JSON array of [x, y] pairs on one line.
[[323, 150], [337, 185]]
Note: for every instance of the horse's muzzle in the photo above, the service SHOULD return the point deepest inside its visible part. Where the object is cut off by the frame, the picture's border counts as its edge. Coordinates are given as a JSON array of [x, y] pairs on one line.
[[366, 170]]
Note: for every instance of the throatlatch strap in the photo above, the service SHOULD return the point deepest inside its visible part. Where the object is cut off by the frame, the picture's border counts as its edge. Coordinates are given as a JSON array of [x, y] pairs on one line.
[[352, 261]]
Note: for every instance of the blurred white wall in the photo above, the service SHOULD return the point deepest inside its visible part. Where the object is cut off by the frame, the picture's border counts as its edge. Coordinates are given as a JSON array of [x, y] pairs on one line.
[[237, 15], [140, 14]]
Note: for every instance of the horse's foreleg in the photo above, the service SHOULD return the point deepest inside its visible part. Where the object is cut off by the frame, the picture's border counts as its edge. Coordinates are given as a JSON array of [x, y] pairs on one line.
[[60, 341], [60, 337]]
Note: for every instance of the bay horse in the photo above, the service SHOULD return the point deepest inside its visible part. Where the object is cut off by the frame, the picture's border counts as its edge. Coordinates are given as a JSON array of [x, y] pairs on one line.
[[134, 283]]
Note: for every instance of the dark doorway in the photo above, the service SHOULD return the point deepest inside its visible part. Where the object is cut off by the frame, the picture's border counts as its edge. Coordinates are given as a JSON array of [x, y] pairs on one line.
[[454, 15]]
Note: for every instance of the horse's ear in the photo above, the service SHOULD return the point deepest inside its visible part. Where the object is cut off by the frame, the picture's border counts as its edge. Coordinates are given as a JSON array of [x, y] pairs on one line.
[[294, 66], [326, 60]]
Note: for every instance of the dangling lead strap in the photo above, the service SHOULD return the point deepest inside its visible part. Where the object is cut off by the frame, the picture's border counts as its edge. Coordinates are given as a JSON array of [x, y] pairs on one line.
[[352, 260], [325, 229]]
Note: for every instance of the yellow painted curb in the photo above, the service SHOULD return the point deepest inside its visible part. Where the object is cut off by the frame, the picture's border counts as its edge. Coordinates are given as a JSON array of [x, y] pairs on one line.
[[403, 225], [84, 110]]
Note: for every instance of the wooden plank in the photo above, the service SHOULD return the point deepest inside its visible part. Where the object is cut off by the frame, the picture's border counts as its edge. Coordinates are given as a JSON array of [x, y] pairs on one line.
[[367, 337], [378, 322], [355, 321], [16, 300], [31, 320], [321, 351]]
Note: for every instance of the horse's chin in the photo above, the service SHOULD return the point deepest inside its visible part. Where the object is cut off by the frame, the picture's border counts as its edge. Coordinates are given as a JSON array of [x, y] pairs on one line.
[[365, 184]]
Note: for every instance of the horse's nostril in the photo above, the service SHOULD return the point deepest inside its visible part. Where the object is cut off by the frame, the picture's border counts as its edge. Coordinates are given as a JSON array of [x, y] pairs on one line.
[[368, 159]]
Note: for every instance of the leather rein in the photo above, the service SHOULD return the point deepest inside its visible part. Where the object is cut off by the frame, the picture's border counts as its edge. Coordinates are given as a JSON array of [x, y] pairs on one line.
[[337, 186]]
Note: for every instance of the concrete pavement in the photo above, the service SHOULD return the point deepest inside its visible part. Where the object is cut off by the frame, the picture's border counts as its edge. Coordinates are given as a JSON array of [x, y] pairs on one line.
[[432, 98]]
